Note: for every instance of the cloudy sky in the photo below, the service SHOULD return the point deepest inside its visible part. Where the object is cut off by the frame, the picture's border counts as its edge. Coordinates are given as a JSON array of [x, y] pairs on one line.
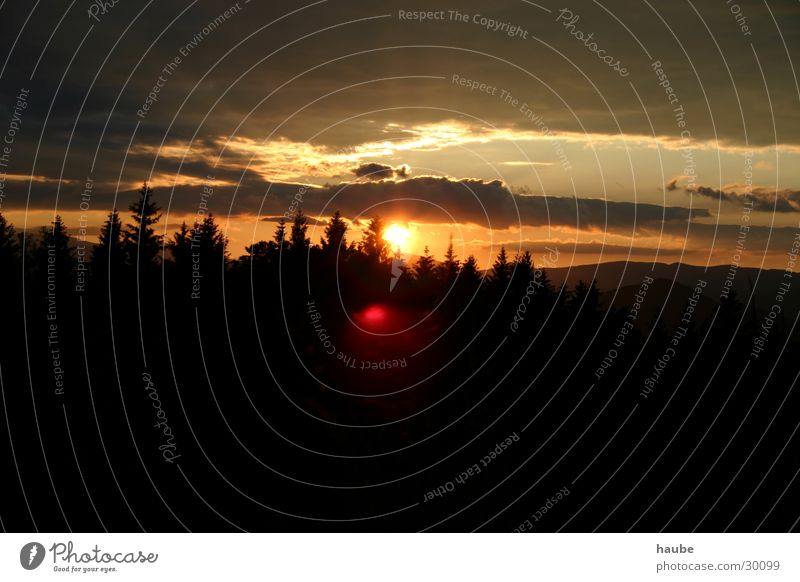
[[614, 130]]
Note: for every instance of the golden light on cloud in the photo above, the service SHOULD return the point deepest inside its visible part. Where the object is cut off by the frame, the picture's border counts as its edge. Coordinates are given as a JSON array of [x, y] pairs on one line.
[[29, 178], [282, 159]]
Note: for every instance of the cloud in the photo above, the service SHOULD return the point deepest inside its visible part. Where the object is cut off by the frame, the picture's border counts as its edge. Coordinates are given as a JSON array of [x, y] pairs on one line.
[[429, 199], [762, 198], [443, 200], [309, 220], [375, 171], [486, 203]]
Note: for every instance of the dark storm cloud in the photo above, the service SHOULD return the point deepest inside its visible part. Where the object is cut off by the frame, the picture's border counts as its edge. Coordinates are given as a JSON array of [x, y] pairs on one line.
[[375, 171], [358, 47]]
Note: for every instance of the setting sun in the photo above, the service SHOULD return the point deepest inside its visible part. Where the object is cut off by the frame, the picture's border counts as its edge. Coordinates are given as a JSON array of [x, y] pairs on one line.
[[396, 236]]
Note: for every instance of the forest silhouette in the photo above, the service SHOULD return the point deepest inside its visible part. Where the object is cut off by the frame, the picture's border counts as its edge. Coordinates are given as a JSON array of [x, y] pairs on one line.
[[156, 382]]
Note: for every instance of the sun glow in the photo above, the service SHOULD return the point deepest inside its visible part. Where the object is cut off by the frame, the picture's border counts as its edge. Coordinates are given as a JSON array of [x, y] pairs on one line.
[[396, 236]]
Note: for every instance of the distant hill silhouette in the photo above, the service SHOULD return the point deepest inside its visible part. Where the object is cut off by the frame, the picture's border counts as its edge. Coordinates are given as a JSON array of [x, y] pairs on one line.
[[621, 274], [665, 299]]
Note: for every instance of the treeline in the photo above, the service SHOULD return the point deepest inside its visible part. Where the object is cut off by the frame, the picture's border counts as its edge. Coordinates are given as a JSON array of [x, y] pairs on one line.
[[195, 260], [202, 247]]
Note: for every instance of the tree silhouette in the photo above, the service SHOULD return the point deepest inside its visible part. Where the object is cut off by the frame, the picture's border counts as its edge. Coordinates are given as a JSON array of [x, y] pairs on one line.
[[109, 252], [258, 251], [298, 241], [523, 268], [448, 270], [469, 272], [142, 243], [373, 244], [9, 259], [501, 268], [280, 234], [9, 247], [55, 251], [424, 267], [335, 241], [180, 246], [208, 241]]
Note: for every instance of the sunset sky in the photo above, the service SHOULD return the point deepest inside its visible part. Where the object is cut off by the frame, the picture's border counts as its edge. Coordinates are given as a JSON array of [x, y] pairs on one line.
[[499, 124]]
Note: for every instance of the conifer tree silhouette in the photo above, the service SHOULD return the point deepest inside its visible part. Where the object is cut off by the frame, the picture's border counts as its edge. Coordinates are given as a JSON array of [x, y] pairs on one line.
[[372, 243], [109, 252], [180, 245], [448, 270], [298, 241], [55, 254], [10, 265], [424, 267], [9, 246], [280, 234], [208, 241], [142, 243], [523, 268], [501, 268], [469, 272], [334, 241]]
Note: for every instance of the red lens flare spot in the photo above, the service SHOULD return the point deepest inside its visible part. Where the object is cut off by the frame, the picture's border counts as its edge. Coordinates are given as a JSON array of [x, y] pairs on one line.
[[378, 319], [375, 314]]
